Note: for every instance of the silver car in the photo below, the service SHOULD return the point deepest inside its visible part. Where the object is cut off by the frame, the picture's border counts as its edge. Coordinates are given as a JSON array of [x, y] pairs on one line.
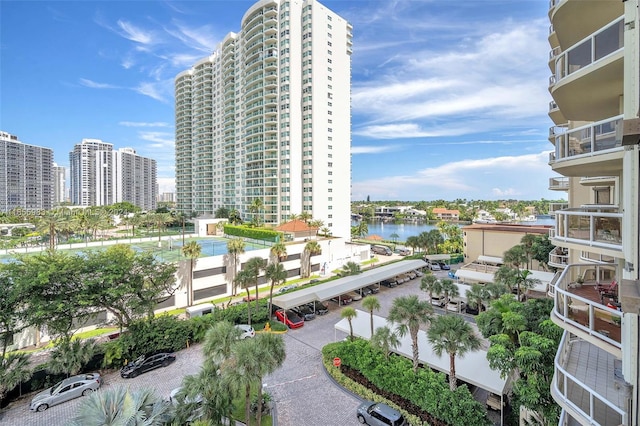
[[73, 387]]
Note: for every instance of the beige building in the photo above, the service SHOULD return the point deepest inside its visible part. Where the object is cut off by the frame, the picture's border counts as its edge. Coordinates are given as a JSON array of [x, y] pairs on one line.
[[595, 75], [494, 239]]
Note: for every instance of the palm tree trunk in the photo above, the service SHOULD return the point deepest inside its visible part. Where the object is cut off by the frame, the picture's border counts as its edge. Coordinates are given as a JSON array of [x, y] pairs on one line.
[[371, 319], [414, 347], [259, 414], [270, 300], [247, 403], [256, 296], [190, 286], [452, 373], [248, 306], [350, 329]]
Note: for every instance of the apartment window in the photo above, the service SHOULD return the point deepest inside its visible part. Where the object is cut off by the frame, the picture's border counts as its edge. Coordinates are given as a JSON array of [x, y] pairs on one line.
[[330, 130], [330, 182], [329, 78], [329, 69], [330, 155], [330, 207], [329, 35], [330, 216], [330, 146], [284, 33], [329, 26], [330, 121], [330, 190], [329, 52], [330, 173], [329, 18], [329, 61], [329, 43], [330, 164], [329, 104]]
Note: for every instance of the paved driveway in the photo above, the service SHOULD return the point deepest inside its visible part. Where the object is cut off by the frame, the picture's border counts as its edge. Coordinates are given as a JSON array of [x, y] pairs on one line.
[[303, 393]]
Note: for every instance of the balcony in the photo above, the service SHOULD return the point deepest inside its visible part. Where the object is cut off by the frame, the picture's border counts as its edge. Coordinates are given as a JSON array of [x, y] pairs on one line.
[[584, 310], [559, 184], [594, 64], [554, 207], [555, 114], [595, 226], [588, 383], [573, 20], [558, 258]]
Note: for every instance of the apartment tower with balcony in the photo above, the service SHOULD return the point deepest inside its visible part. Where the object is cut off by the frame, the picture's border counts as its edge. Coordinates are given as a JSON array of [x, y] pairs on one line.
[[595, 86], [263, 124], [26, 176]]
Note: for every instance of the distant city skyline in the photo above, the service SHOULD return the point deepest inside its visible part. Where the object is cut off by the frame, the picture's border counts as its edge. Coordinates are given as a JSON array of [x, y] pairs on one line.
[[448, 100]]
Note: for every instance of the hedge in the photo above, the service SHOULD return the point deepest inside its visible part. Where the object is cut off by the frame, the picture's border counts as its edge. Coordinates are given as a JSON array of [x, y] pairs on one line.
[[426, 389], [254, 233]]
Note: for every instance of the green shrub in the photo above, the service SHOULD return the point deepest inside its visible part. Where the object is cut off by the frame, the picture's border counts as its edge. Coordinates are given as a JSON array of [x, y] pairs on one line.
[[426, 389], [253, 233]]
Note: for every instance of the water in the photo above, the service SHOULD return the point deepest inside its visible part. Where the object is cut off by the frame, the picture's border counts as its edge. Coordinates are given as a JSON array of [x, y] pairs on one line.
[[214, 247], [404, 230]]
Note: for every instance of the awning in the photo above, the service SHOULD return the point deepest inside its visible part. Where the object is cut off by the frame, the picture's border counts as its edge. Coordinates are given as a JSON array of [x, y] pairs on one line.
[[490, 259], [473, 368], [545, 279], [437, 257], [474, 276], [340, 286]]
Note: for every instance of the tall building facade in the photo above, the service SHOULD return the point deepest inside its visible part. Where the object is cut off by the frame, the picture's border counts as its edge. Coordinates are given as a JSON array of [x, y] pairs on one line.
[[595, 86], [59, 184], [101, 176], [265, 121], [26, 176]]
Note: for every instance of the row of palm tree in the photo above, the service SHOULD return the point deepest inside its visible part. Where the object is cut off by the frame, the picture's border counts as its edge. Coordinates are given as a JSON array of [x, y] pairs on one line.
[[449, 334]]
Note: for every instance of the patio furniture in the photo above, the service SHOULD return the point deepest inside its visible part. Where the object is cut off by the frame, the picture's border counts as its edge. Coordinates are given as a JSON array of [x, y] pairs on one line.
[[607, 288]]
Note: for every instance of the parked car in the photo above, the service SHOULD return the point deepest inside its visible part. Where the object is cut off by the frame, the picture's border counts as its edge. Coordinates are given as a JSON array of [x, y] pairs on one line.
[[342, 299], [286, 288], [305, 312], [146, 363], [289, 318], [389, 283], [400, 279], [456, 305], [418, 273], [403, 252], [320, 308], [412, 275], [373, 288], [434, 266], [378, 414], [354, 295], [67, 389], [472, 309], [246, 330], [196, 410], [364, 292], [444, 266], [438, 300]]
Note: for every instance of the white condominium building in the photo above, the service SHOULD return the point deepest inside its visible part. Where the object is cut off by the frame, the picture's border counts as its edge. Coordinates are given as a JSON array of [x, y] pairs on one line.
[[595, 84], [265, 120], [101, 176], [59, 184], [26, 177]]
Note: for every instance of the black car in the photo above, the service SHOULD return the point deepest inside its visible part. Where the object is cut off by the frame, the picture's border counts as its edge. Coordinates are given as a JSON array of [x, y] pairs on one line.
[[472, 309], [365, 291], [305, 312], [146, 363], [374, 289], [444, 266], [389, 283], [320, 308]]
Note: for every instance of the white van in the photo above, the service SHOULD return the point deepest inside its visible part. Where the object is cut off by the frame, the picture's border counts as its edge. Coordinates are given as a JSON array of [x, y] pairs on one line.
[[381, 250], [200, 310]]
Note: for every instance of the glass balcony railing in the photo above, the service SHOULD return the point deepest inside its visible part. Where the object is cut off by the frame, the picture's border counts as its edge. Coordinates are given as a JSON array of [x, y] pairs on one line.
[[582, 306], [597, 46], [591, 392], [592, 138], [559, 183], [597, 225], [553, 207]]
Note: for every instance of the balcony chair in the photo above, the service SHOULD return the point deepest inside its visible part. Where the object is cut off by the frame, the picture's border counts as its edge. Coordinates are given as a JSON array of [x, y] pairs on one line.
[[608, 288]]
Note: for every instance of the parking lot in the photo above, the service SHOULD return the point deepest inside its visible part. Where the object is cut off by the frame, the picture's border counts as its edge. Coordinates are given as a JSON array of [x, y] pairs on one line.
[[301, 390]]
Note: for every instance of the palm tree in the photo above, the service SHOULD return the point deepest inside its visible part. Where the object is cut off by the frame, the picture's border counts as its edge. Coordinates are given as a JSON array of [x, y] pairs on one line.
[[235, 247], [450, 290], [316, 224], [515, 257], [371, 303], [122, 406], [254, 266], [276, 274], [325, 232], [244, 280], [310, 249], [278, 251], [350, 268], [272, 353], [14, 369], [453, 335], [241, 370], [363, 228], [161, 220], [394, 237], [49, 223], [431, 284], [217, 401], [410, 313], [192, 250], [218, 341], [413, 242], [255, 208], [70, 356], [349, 313], [385, 339], [477, 295], [305, 216]]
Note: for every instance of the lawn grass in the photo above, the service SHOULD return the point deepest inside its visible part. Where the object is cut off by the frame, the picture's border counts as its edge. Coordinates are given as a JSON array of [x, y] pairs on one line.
[[238, 413]]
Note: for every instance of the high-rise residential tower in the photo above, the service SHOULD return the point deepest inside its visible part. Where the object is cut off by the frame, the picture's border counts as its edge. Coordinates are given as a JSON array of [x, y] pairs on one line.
[[59, 184], [595, 84], [26, 177], [101, 176], [263, 124]]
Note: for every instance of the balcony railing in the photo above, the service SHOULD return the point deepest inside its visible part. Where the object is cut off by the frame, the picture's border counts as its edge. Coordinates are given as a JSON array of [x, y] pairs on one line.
[[558, 258], [575, 394], [589, 139], [583, 308], [596, 226], [554, 207], [559, 183], [597, 46]]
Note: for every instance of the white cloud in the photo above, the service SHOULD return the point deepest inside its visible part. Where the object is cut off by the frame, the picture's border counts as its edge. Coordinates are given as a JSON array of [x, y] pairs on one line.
[[371, 149], [160, 140], [133, 33], [95, 85], [157, 90], [473, 179], [166, 184], [141, 124]]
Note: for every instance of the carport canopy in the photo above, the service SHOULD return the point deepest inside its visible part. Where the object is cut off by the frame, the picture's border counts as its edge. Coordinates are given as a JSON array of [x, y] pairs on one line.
[[437, 257], [467, 275], [340, 286], [490, 259]]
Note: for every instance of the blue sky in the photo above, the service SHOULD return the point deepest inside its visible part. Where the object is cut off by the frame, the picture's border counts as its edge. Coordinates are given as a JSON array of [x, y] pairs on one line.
[[449, 99]]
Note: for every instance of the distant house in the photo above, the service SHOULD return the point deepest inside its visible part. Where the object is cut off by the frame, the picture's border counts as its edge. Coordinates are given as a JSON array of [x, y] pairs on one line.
[[297, 229], [446, 214]]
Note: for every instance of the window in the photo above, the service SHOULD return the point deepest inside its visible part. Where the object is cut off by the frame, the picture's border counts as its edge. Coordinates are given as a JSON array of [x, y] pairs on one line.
[[329, 52], [330, 173], [329, 61], [330, 164]]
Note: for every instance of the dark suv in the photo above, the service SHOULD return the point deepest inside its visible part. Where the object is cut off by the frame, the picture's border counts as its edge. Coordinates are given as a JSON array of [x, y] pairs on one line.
[[320, 308], [305, 312]]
